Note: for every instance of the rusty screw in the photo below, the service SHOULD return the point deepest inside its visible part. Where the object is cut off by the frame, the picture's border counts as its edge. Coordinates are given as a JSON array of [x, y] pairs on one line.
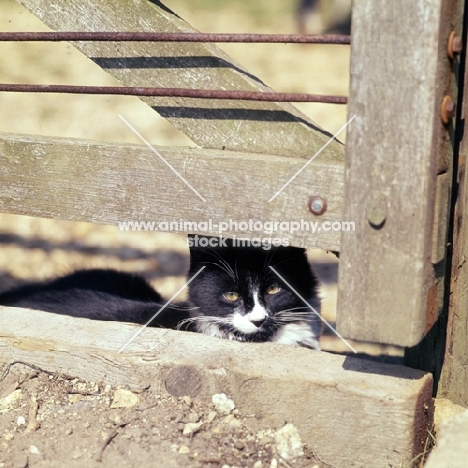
[[317, 205], [454, 45], [448, 109]]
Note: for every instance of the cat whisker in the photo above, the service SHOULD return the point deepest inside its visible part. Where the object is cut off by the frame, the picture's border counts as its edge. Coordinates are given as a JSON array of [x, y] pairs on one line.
[[296, 313], [222, 268], [201, 318], [181, 307], [287, 320], [268, 260], [293, 308], [227, 268], [237, 261]]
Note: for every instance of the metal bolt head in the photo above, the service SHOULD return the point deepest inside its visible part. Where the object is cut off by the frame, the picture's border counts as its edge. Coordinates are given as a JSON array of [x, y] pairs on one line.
[[448, 109], [454, 45], [317, 205], [377, 216]]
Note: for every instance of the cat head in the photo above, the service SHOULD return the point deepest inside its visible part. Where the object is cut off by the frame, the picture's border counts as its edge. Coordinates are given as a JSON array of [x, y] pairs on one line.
[[238, 296]]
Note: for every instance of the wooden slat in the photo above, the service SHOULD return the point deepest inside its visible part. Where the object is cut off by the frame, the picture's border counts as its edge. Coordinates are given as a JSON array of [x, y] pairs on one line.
[[441, 217], [108, 183], [352, 413], [234, 125], [395, 148]]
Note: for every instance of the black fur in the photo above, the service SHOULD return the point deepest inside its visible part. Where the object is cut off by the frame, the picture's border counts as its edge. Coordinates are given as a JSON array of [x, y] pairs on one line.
[[245, 270], [99, 295], [118, 296]]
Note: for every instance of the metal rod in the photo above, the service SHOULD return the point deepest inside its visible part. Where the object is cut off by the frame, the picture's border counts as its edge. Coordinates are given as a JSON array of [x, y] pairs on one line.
[[174, 92], [173, 37]]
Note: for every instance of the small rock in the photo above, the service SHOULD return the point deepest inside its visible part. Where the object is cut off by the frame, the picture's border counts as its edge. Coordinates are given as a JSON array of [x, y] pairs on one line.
[[211, 416], [231, 421], [74, 398], [222, 403], [192, 428], [274, 463], [124, 399], [258, 464], [184, 449], [194, 417], [77, 453], [250, 447], [288, 442], [179, 417], [187, 400], [20, 461], [239, 444], [265, 440], [21, 421], [34, 450], [115, 418], [9, 402]]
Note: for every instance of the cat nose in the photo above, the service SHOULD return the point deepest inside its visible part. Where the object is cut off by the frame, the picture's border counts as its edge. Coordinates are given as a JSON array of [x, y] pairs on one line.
[[258, 323]]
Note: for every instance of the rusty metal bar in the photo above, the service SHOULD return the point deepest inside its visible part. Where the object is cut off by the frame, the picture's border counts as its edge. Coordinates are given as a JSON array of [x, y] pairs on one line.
[[174, 92], [173, 37]]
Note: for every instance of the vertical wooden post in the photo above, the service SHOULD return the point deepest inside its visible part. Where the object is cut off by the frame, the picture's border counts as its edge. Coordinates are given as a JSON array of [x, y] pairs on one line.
[[397, 146], [442, 351], [454, 376]]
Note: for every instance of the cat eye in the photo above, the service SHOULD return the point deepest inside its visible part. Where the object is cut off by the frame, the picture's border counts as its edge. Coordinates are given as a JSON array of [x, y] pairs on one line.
[[231, 296], [273, 288]]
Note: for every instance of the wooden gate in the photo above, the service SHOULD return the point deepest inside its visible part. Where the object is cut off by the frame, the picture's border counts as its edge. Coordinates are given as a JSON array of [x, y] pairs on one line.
[[394, 182]]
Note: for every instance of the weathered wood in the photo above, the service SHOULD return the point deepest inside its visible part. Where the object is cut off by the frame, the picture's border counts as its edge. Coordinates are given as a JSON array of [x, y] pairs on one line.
[[235, 125], [396, 146], [454, 378], [441, 217], [353, 413], [109, 183]]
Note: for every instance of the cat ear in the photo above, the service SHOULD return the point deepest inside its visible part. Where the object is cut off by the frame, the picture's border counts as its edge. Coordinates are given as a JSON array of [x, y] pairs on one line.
[[204, 247], [199, 247], [295, 252]]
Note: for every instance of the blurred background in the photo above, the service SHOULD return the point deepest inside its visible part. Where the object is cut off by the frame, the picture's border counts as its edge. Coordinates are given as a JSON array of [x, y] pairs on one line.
[[33, 248]]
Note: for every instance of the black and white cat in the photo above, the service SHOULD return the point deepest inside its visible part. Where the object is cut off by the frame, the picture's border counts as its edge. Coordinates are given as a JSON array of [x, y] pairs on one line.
[[236, 296], [239, 297]]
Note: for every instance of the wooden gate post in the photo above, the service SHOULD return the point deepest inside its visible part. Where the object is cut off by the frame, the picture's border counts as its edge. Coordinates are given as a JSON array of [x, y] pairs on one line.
[[398, 170], [454, 374]]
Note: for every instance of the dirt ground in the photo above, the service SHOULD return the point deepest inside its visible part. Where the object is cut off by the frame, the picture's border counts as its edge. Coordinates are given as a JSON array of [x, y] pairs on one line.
[[49, 420], [55, 421]]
